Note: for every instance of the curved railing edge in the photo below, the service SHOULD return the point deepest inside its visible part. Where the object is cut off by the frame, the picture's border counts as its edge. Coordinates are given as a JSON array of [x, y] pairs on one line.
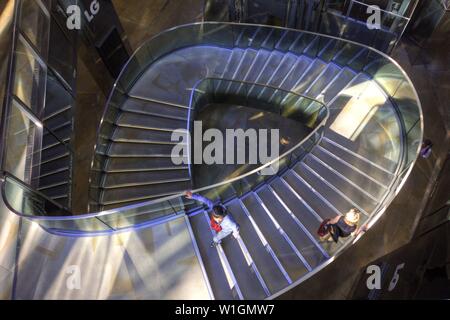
[[238, 24]]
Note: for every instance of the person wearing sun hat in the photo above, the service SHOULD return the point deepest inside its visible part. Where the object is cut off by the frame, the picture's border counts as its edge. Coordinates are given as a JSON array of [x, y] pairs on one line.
[[340, 226]]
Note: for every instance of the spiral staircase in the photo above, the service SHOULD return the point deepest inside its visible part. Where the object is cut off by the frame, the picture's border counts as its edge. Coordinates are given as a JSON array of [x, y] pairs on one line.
[[357, 157]]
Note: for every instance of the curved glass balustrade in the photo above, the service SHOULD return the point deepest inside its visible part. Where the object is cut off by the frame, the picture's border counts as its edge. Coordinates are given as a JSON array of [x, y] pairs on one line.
[[36, 206], [307, 111], [387, 74]]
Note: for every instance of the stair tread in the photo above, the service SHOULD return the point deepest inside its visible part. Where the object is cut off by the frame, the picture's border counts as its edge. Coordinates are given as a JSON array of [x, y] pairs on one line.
[[313, 72], [124, 149], [300, 239], [297, 207], [246, 278], [265, 263], [321, 157], [337, 196], [257, 66], [150, 121], [126, 134], [128, 194], [368, 168], [154, 108], [56, 178], [210, 258], [284, 252], [311, 199], [130, 178]]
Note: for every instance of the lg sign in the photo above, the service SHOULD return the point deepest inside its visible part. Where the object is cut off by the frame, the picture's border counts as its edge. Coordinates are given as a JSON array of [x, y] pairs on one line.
[[74, 15]]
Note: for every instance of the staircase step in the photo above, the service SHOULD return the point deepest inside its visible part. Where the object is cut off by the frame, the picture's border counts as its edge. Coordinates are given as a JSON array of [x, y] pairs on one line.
[[57, 191], [377, 160], [63, 201], [127, 179], [282, 70], [244, 65], [366, 165], [295, 73], [369, 185], [346, 54], [248, 281], [152, 108], [330, 49], [258, 65], [360, 60], [322, 81], [342, 199], [134, 120], [50, 140], [301, 238], [264, 261], [53, 152], [281, 247], [332, 90], [260, 37], [244, 38], [211, 259], [310, 75], [141, 164], [300, 45], [51, 166], [285, 39], [331, 195], [57, 110], [124, 149], [139, 214], [269, 69], [62, 131], [61, 177], [296, 204], [128, 194], [125, 134], [233, 63], [57, 119], [311, 198]]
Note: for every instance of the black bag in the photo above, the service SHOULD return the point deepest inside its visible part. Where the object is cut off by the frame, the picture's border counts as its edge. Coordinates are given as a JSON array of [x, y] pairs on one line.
[[324, 228], [334, 231]]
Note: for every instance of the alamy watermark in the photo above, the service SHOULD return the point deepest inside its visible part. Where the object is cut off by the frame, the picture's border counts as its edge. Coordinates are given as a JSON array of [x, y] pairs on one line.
[[74, 14], [73, 281], [374, 20], [249, 146]]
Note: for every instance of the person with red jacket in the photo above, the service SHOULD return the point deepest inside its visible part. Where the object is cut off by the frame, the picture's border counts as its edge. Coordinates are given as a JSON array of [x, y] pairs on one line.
[[221, 221]]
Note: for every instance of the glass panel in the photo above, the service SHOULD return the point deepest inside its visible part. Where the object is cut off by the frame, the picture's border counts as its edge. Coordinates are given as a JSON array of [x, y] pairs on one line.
[[142, 214], [29, 79], [22, 137], [413, 143], [76, 226], [35, 24], [28, 202], [58, 111], [61, 55], [52, 175], [405, 100]]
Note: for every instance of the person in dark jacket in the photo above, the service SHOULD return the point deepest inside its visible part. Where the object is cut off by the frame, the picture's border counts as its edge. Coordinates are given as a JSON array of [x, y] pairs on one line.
[[221, 221], [341, 226]]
